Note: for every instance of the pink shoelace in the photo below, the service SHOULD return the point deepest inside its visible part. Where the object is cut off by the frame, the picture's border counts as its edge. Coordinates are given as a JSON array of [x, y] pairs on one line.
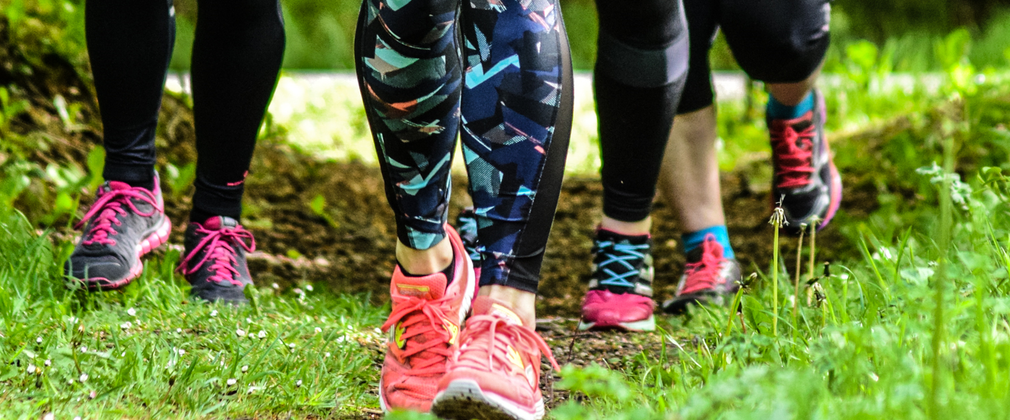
[[108, 206], [704, 274], [792, 152], [421, 318], [220, 252], [500, 333]]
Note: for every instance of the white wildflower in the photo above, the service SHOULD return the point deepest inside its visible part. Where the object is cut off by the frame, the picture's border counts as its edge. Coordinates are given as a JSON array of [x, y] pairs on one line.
[[308, 287], [327, 354], [275, 286], [245, 368], [262, 334], [131, 312], [240, 332], [298, 384], [48, 363], [84, 377], [31, 368], [38, 340], [178, 330], [318, 330], [84, 349], [213, 313], [291, 346], [231, 381], [126, 325]]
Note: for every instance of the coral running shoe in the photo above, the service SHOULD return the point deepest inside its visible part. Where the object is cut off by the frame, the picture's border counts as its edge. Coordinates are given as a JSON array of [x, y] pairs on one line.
[[620, 292], [496, 373], [466, 223], [215, 261], [709, 278], [123, 224], [423, 331], [806, 180]]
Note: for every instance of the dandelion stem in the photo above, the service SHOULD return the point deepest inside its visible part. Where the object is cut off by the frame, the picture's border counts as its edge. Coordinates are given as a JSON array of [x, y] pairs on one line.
[[796, 285]]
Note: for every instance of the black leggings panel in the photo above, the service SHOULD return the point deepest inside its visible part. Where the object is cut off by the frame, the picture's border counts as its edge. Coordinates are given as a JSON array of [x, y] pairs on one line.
[[237, 56], [639, 75], [780, 41]]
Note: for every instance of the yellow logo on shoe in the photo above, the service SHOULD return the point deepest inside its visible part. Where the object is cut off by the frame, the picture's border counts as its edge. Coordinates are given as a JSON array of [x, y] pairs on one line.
[[412, 289], [452, 329], [398, 331], [513, 356]]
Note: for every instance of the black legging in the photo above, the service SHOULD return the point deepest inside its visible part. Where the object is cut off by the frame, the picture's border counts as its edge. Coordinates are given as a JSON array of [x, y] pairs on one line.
[[236, 58], [639, 75]]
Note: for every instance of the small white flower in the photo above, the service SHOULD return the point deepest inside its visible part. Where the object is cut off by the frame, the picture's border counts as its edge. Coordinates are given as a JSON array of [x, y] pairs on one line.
[[73, 320], [231, 381], [275, 286], [77, 418], [240, 332], [31, 368], [298, 291], [123, 355], [291, 346], [318, 330], [48, 363], [178, 330], [131, 312], [248, 320], [213, 313], [245, 368], [327, 354], [38, 340], [84, 349], [126, 325], [84, 377], [262, 334], [298, 384], [48, 416], [251, 389], [308, 287]]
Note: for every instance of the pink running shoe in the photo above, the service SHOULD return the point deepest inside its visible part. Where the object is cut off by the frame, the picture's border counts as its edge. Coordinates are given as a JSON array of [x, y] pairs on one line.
[[496, 373], [423, 331], [806, 179], [124, 224], [709, 278], [620, 292]]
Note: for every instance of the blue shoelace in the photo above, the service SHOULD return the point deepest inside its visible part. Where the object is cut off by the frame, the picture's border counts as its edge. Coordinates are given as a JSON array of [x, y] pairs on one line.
[[624, 255]]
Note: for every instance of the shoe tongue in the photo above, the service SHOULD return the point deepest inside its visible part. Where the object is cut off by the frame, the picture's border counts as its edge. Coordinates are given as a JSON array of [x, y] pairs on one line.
[[484, 305], [220, 222], [429, 287], [117, 185]]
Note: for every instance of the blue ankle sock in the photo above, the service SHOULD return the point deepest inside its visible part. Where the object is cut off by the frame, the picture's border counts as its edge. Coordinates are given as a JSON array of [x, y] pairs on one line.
[[777, 111], [693, 240]]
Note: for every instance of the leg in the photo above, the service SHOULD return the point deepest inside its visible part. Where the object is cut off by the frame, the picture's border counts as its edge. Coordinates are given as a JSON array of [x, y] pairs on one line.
[[690, 180], [236, 59], [130, 43], [639, 76], [516, 111], [784, 46]]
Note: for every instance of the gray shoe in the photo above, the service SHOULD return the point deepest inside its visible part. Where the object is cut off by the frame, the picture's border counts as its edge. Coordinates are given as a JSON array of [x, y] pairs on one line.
[[709, 278], [123, 224], [215, 263]]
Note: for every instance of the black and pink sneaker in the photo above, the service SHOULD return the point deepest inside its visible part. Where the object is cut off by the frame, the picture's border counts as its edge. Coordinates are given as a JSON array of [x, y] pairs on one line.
[[214, 262], [620, 290], [123, 224], [709, 278], [806, 180]]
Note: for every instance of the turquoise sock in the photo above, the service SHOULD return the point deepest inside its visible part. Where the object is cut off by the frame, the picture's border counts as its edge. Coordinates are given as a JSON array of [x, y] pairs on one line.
[[777, 111], [693, 240]]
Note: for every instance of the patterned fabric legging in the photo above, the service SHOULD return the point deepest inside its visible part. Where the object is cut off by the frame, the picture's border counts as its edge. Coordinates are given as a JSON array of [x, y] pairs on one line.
[[506, 91]]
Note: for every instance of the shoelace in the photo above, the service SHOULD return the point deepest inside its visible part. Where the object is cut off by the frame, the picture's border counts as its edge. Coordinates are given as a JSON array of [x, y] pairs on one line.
[[620, 254], [500, 333], [108, 206], [421, 317], [220, 252], [704, 274], [793, 151]]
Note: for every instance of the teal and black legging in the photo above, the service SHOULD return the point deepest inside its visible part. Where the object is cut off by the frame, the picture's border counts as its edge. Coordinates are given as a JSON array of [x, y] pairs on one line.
[[496, 72], [237, 55], [641, 66]]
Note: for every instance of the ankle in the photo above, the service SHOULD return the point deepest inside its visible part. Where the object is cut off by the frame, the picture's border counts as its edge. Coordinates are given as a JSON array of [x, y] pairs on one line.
[[637, 228], [421, 262], [521, 302]]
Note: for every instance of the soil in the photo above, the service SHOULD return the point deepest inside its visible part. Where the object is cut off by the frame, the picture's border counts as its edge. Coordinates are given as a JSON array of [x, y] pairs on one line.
[[352, 251]]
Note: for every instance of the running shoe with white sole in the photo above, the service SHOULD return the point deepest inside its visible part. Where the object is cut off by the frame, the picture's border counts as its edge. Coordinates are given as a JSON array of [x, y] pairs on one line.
[[495, 375], [123, 224], [423, 331], [620, 291], [215, 259], [806, 180], [709, 278]]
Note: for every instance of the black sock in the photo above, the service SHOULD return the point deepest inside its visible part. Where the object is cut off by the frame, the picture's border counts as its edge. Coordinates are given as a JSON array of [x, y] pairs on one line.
[[448, 271]]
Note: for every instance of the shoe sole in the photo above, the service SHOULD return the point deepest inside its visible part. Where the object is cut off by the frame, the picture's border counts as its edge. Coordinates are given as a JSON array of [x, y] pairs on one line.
[[648, 324], [463, 399], [468, 295], [151, 242]]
